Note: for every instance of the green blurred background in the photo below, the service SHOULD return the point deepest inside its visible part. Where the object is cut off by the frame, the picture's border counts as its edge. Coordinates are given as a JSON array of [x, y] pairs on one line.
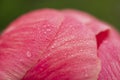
[[106, 10]]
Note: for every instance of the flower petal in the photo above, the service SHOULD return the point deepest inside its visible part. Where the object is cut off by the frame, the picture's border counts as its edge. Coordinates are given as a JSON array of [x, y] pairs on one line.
[[21, 46], [108, 41], [72, 55]]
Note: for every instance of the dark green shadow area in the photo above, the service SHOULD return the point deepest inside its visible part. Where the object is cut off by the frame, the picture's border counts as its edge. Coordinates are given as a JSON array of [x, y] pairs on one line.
[[106, 10]]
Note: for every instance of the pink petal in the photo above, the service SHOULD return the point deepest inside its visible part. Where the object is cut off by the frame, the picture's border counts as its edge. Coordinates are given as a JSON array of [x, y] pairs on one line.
[[108, 44], [72, 55], [21, 47], [109, 53], [65, 48], [91, 22], [53, 16]]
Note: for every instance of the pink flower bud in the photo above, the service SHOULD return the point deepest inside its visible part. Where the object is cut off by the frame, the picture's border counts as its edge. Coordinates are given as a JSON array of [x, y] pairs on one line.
[[59, 45]]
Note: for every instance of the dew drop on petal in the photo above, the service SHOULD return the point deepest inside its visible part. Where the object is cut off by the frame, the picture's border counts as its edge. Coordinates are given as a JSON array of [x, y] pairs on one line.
[[21, 60], [81, 50], [45, 32], [48, 29], [28, 54], [86, 75]]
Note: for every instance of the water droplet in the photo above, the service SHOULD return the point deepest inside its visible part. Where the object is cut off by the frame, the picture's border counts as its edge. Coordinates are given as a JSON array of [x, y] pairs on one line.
[[52, 46], [21, 60], [45, 32], [28, 54], [81, 50], [86, 75], [87, 43], [85, 72], [72, 55], [48, 29]]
